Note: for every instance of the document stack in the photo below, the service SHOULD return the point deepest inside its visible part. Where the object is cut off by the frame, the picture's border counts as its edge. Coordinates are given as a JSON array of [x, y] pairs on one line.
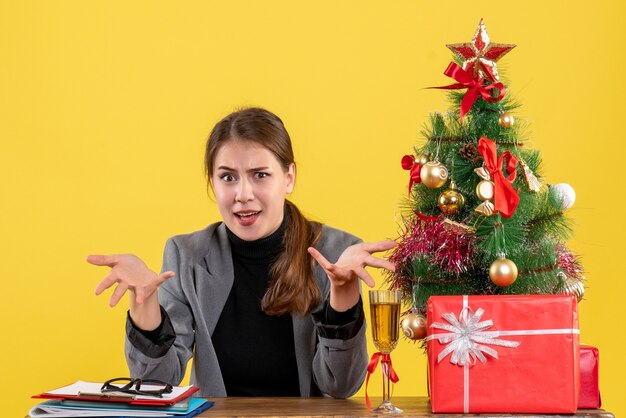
[[87, 399]]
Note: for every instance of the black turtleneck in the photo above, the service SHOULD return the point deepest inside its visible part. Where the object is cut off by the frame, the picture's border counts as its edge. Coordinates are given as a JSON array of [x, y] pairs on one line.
[[255, 351]]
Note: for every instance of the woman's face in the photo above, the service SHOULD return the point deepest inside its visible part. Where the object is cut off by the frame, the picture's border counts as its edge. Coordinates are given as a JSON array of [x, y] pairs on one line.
[[250, 186]]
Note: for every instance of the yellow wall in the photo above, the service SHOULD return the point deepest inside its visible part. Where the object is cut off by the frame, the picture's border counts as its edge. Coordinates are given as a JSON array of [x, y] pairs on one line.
[[105, 106]]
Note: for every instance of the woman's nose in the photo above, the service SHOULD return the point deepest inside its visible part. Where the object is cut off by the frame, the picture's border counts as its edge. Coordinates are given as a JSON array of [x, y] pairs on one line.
[[244, 191]]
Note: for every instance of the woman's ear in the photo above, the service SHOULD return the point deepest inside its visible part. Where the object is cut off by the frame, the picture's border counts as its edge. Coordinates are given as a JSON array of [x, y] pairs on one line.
[[290, 178]]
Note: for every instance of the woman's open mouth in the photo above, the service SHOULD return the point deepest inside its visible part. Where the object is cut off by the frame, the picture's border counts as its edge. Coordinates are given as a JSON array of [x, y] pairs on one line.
[[247, 217]]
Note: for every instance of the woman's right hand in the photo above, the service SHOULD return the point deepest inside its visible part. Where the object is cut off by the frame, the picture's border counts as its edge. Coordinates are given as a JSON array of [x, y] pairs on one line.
[[131, 273]]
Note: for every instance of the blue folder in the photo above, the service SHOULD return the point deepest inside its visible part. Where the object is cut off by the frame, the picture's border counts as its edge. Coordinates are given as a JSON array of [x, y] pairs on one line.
[[195, 406]]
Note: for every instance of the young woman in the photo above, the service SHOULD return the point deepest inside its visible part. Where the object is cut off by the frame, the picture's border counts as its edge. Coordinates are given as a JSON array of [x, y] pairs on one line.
[[243, 296]]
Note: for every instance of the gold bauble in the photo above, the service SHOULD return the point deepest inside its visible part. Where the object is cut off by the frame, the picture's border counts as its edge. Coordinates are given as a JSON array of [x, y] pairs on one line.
[[421, 159], [485, 190], [503, 272], [506, 120], [573, 286], [451, 201], [414, 326], [434, 174]]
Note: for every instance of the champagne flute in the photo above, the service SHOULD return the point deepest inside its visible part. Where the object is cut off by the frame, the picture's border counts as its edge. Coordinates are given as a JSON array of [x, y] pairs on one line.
[[385, 315]]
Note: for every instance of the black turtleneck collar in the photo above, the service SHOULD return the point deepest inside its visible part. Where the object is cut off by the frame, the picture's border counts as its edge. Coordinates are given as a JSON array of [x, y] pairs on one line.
[[262, 249]]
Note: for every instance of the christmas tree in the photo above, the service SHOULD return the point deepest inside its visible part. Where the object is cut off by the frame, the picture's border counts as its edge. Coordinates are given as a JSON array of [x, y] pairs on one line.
[[480, 218]]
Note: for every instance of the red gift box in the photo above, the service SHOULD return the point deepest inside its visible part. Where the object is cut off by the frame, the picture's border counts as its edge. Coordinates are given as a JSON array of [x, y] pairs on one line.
[[589, 387], [508, 354]]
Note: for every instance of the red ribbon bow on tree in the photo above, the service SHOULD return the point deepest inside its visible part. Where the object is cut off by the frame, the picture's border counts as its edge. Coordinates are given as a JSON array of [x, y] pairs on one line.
[[474, 87], [408, 163], [385, 360], [506, 198]]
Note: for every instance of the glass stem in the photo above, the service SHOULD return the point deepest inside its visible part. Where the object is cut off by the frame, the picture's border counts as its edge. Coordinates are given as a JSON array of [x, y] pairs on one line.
[[386, 382]]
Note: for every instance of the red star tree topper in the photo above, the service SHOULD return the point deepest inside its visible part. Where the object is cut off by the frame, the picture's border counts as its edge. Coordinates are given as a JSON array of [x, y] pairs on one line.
[[480, 55]]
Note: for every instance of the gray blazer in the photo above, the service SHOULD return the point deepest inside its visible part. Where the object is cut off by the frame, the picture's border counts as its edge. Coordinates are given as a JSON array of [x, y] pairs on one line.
[[194, 299]]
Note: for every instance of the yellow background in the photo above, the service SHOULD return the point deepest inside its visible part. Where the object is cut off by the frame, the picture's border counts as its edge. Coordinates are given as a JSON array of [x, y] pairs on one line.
[[105, 107]]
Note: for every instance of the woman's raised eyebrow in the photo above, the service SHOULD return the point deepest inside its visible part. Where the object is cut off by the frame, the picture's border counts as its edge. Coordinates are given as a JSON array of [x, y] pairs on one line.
[[259, 169], [226, 168]]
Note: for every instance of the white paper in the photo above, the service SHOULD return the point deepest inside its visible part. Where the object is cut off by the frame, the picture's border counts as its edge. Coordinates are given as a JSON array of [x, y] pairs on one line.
[[89, 387]]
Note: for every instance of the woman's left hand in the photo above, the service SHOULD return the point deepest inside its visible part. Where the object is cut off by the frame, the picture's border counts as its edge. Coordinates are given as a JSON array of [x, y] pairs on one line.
[[344, 275]]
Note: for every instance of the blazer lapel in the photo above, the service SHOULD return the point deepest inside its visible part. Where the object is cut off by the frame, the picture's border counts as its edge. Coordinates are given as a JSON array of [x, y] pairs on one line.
[[215, 280]]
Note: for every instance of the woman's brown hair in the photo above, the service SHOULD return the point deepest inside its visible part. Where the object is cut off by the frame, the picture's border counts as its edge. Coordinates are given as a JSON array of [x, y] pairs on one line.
[[292, 286]]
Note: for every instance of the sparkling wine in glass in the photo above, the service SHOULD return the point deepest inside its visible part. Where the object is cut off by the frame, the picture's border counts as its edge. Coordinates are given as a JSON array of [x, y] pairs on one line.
[[385, 318]]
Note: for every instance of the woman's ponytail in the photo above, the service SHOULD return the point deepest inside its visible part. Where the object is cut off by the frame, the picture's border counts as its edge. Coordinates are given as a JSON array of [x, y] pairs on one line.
[[293, 288]]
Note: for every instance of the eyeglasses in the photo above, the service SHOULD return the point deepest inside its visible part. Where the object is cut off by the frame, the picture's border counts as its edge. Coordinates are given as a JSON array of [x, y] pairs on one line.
[[133, 386]]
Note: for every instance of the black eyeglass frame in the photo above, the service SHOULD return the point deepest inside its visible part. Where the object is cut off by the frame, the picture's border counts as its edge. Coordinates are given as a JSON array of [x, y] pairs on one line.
[[133, 386]]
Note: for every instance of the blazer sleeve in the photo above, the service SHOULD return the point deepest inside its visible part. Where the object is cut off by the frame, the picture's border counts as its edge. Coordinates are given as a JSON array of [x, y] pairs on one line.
[[340, 361], [165, 356]]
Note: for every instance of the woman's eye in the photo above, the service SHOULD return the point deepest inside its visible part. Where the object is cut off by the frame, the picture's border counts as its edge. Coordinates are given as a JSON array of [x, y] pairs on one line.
[[227, 177], [261, 175]]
